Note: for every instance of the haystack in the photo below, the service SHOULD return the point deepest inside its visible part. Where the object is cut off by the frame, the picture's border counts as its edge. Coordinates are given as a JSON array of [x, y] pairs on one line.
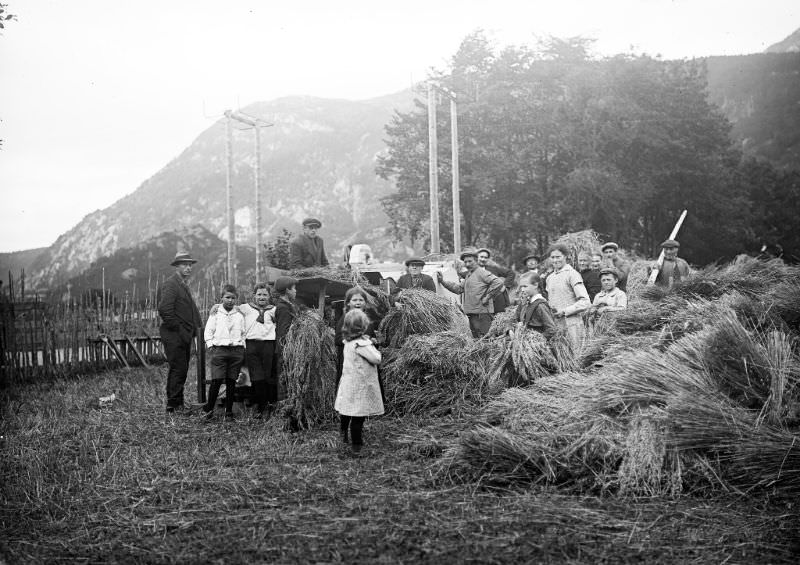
[[714, 406], [308, 373], [436, 374], [585, 241], [421, 312]]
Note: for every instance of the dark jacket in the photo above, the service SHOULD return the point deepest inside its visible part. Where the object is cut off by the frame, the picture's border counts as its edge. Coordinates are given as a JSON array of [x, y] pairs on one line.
[[502, 300], [591, 280], [374, 322], [177, 308], [405, 281], [285, 313], [306, 252], [672, 272], [537, 316]]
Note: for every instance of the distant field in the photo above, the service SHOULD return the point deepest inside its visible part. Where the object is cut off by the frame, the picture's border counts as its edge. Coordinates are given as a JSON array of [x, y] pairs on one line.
[[85, 484]]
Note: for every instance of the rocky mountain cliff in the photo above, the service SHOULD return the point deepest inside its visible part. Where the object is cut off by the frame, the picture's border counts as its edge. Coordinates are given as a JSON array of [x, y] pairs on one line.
[[318, 159]]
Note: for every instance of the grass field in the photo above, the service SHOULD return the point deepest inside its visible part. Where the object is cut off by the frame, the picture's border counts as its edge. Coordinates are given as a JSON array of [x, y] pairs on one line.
[[126, 484]]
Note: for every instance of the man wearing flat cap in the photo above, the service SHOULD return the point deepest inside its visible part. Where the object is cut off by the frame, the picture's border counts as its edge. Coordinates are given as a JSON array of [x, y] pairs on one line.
[[307, 249], [674, 269], [414, 277], [612, 259], [180, 322], [479, 288]]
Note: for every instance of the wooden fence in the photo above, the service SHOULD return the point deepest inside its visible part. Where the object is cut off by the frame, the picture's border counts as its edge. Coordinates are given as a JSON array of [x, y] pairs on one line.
[[41, 336]]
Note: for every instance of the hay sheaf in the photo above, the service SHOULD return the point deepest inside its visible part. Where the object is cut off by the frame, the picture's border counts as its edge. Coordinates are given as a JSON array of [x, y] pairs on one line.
[[715, 410], [441, 373], [340, 273], [523, 356], [309, 372], [421, 312]]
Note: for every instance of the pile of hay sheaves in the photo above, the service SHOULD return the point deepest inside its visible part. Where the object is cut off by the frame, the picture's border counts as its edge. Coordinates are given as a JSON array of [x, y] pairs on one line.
[[430, 364], [308, 372], [698, 390], [421, 312]]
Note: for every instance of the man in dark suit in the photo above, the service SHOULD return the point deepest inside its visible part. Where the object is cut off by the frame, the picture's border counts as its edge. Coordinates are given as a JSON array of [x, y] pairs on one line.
[[414, 277], [307, 249], [180, 321]]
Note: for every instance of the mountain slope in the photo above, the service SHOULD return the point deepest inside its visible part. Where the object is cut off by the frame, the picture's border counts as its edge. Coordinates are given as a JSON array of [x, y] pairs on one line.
[[317, 160]]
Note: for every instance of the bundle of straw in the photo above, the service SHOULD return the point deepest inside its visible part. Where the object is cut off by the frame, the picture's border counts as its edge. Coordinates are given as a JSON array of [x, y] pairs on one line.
[[309, 371], [435, 374], [524, 356], [340, 273], [750, 277], [585, 241], [501, 323], [649, 423], [421, 312]]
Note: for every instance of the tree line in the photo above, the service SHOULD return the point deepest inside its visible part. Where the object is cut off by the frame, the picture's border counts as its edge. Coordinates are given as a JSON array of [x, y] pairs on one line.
[[552, 140]]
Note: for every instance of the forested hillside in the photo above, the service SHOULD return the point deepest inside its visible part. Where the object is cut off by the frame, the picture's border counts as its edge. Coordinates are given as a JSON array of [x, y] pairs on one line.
[[554, 141]]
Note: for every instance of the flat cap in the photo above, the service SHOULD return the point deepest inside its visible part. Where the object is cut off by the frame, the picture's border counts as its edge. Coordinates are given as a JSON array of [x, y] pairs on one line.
[[469, 252], [609, 271], [312, 223], [414, 261], [609, 245], [531, 256], [484, 250], [670, 243], [182, 257]]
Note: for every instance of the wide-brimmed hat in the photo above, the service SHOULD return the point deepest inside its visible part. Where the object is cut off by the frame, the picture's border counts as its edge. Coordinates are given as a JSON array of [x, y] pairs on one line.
[[670, 243], [182, 257], [414, 261], [469, 252], [312, 223], [609, 245]]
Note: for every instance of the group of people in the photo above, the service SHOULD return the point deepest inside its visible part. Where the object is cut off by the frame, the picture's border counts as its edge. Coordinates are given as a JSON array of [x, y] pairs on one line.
[[556, 295], [557, 298], [235, 335]]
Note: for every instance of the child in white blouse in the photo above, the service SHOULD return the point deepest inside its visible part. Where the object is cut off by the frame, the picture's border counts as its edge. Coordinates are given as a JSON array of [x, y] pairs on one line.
[[359, 393]]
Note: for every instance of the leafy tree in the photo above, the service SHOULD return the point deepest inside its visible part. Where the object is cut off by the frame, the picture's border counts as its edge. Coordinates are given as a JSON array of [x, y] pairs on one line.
[[277, 252], [552, 140]]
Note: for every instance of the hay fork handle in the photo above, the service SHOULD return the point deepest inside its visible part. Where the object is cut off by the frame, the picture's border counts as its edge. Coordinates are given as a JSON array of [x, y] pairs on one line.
[[660, 261]]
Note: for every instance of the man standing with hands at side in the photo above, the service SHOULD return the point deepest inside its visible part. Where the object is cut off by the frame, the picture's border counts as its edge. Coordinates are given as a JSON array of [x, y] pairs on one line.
[[180, 322], [479, 289]]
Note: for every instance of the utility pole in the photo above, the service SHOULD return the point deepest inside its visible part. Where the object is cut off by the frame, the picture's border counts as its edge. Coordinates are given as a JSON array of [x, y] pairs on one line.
[[232, 275], [254, 123], [454, 174], [433, 169], [454, 165]]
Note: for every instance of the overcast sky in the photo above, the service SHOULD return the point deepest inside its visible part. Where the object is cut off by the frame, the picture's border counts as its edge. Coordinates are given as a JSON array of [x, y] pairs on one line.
[[98, 95]]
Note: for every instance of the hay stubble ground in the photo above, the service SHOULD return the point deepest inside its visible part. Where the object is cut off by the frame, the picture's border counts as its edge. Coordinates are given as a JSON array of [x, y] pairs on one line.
[[124, 483]]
